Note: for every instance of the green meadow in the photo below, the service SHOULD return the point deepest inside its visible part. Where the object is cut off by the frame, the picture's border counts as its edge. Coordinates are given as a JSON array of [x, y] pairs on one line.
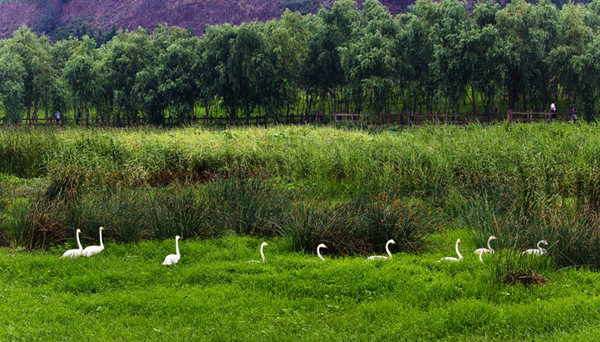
[[226, 191]]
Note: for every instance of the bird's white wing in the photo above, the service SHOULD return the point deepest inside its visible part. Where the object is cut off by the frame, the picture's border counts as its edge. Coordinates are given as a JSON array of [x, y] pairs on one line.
[[532, 251], [72, 253], [449, 259], [376, 257], [482, 250], [171, 259]]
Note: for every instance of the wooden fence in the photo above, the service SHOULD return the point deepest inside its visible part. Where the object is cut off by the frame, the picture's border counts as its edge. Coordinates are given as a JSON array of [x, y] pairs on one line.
[[408, 119]]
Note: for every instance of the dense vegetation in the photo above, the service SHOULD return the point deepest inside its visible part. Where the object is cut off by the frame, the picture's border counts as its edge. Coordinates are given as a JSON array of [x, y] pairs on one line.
[[436, 57], [226, 191], [351, 189]]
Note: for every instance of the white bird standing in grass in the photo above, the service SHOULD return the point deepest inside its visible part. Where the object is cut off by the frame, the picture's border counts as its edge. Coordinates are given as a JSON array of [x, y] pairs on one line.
[[72, 253], [482, 253], [172, 259], [488, 250], [262, 245], [457, 252], [383, 257], [539, 250], [319, 251], [93, 250]]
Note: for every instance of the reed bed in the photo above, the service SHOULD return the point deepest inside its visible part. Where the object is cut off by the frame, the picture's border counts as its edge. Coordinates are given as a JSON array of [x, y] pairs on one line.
[[351, 188]]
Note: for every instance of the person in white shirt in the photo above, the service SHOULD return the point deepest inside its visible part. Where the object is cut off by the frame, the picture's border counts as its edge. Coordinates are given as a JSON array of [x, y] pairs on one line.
[[553, 109]]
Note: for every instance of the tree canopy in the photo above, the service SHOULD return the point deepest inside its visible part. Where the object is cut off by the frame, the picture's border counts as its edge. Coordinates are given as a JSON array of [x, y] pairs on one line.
[[437, 57]]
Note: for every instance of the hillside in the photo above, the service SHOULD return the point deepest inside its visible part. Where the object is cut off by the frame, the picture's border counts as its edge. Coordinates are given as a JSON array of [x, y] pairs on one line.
[[58, 18]]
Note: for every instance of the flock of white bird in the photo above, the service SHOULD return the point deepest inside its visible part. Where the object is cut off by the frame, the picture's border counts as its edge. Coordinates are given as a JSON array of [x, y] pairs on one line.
[[172, 259], [481, 251]]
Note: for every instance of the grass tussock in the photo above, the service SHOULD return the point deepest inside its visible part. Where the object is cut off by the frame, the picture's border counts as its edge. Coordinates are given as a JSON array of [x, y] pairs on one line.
[[36, 224], [358, 227]]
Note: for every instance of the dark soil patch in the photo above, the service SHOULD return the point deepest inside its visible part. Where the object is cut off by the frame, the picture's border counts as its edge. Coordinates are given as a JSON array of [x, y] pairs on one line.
[[523, 277], [166, 177]]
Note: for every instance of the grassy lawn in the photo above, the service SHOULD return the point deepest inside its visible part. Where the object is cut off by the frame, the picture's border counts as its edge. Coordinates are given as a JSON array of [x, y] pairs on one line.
[[214, 294]]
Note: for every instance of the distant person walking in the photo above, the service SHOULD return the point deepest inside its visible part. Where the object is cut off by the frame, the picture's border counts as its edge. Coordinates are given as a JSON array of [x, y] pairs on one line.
[[574, 115], [553, 109], [57, 116]]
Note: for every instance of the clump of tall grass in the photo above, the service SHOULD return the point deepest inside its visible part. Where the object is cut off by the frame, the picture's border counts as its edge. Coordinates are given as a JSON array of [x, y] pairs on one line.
[[181, 211], [37, 223], [247, 206], [511, 267], [521, 217], [24, 152], [576, 236], [358, 227]]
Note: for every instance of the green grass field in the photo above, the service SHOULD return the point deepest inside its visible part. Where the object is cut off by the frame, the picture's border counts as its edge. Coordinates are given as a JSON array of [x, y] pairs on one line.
[[226, 191], [214, 294]]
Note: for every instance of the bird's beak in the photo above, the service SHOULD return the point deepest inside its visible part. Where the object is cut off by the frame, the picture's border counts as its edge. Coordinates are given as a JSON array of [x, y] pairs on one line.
[[325, 246], [266, 244]]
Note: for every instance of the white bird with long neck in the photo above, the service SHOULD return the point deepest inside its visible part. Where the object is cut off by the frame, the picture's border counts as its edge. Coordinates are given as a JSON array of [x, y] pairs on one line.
[[172, 259], [457, 252], [488, 250], [482, 253], [319, 251], [93, 250], [72, 253], [262, 245], [539, 250], [383, 257]]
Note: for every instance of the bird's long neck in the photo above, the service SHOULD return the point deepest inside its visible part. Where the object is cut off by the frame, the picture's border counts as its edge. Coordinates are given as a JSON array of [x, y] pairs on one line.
[[480, 255], [78, 242], [261, 252], [177, 246], [319, 253], [101, 244], [387, 248], [538, 245], [457, 252], [490, 247]]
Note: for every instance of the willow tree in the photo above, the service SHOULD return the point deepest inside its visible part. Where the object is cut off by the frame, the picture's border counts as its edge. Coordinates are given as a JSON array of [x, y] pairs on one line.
[[39, 76], [12, 91], [369, 62], [123, 58], [81, 74]]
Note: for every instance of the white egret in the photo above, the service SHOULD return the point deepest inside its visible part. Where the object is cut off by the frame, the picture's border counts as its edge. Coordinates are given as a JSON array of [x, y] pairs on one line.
[[93, 250], [72, 253], [172, 259], [539, 250], [262, 245], [319, 251], [382, 257], [457, 252], [480, 251]]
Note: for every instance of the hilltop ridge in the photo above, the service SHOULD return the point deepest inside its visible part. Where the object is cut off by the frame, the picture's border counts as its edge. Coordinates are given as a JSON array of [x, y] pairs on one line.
[[59, 18]]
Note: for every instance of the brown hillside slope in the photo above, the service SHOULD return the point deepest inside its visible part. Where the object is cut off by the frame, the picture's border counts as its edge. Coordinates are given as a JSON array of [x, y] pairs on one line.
[[52, 16]]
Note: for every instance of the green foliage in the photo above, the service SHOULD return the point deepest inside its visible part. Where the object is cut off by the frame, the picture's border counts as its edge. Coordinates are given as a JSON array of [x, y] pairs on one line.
[[411, 297], [346, 59]]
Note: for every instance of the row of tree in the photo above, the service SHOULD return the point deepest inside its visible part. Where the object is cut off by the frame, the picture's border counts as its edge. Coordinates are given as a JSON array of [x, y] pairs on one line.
[[437, 57]]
